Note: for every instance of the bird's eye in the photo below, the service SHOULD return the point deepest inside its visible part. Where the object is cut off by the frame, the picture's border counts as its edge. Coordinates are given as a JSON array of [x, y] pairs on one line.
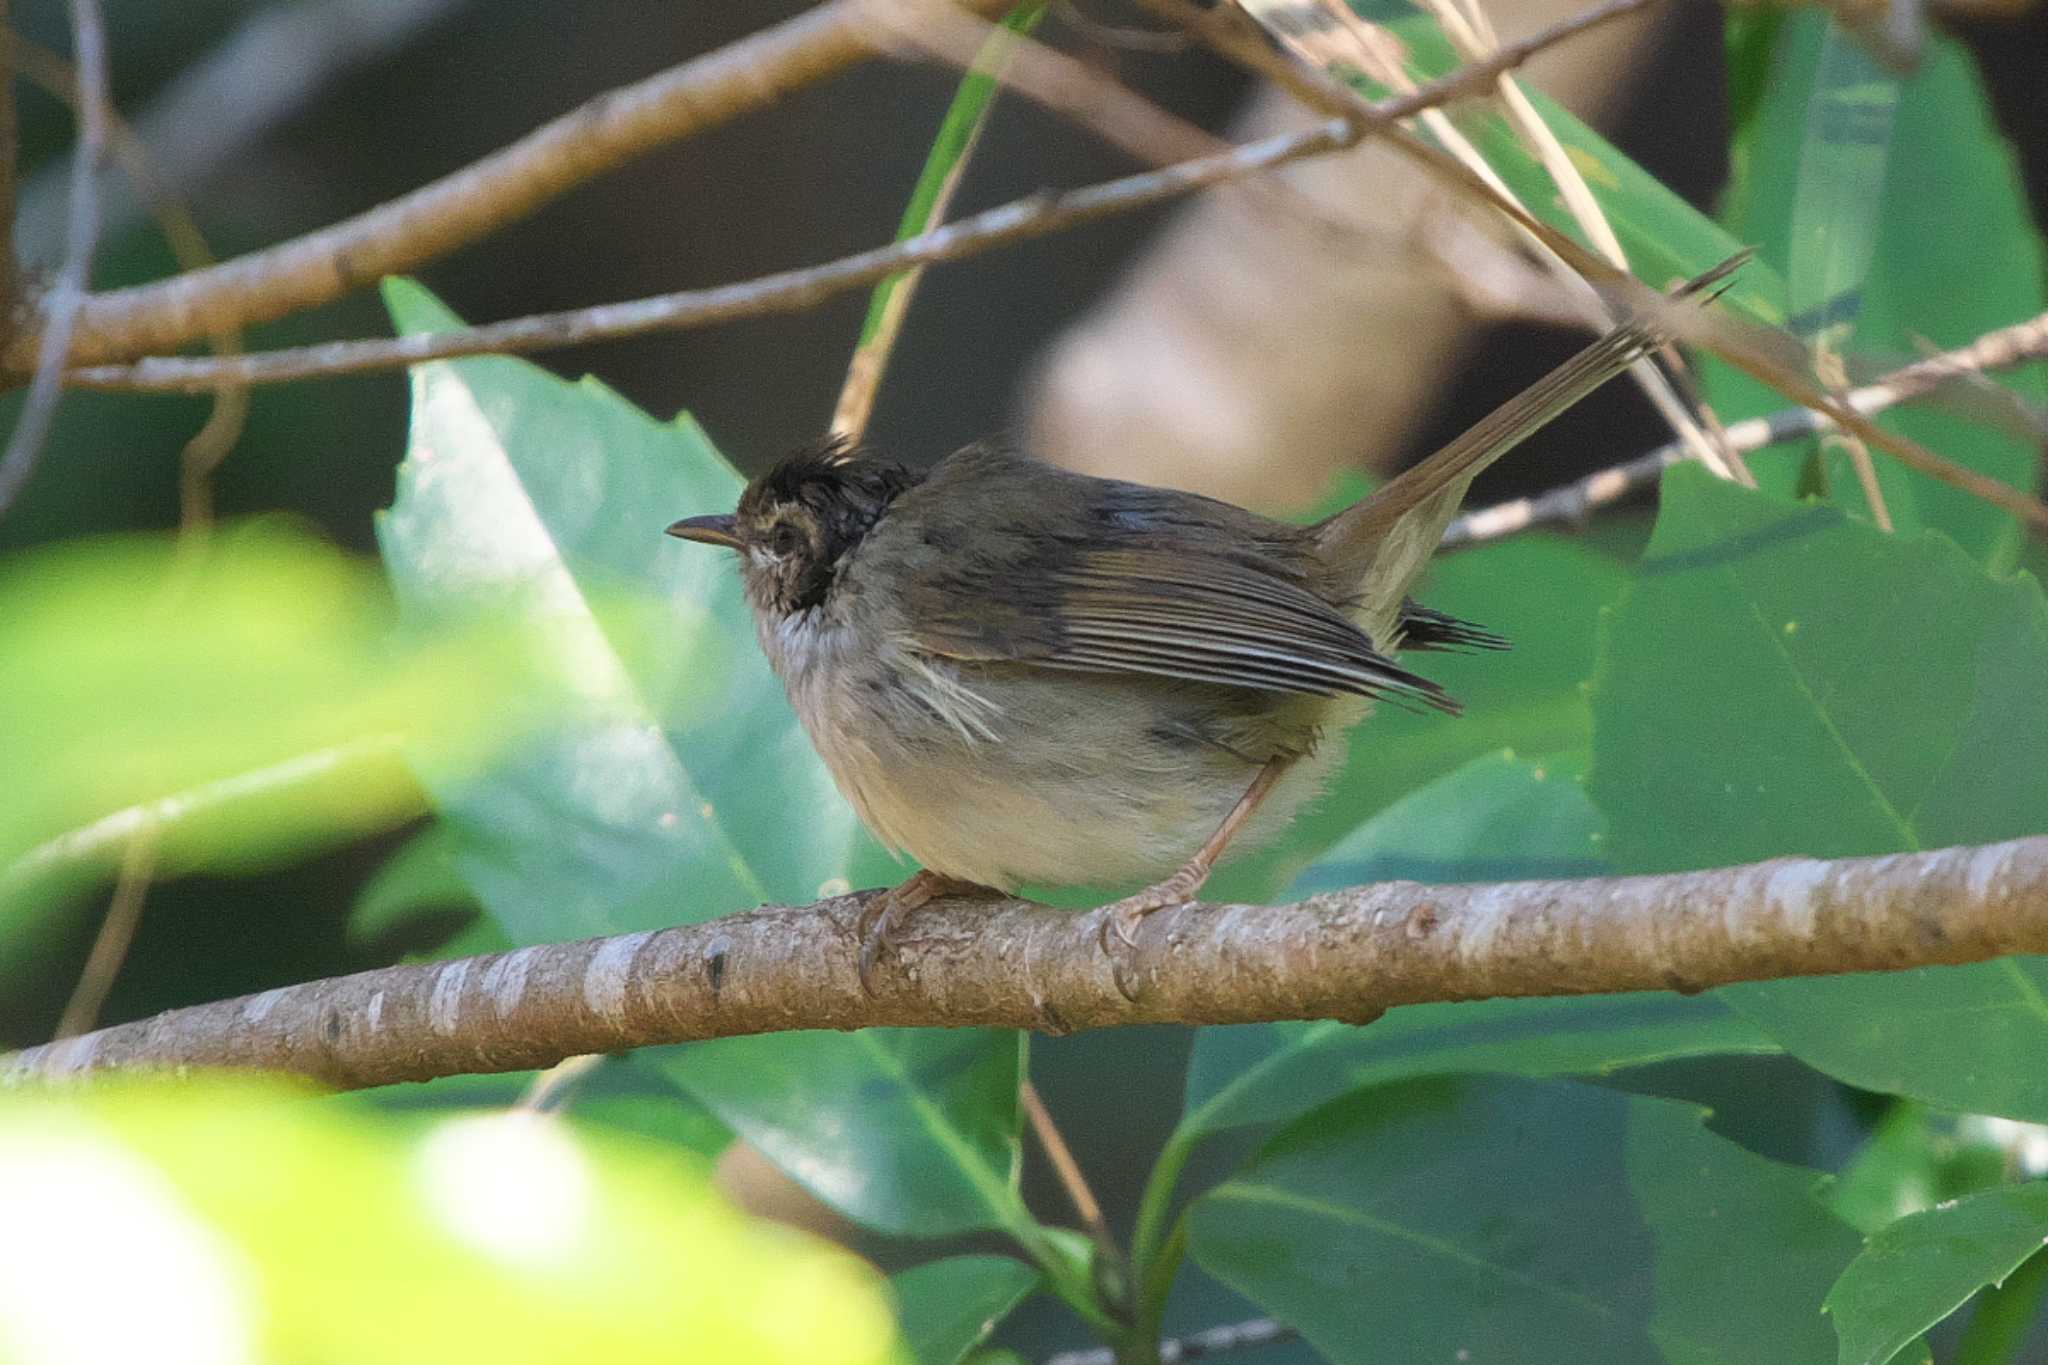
[[785, 539]]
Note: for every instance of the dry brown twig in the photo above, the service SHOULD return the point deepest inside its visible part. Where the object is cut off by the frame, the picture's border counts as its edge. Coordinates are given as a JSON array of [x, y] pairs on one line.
[[435, 219], [1572, 502], [1346, 955], [229, 413], [1019, 220], [65, 302], [1022, 219]]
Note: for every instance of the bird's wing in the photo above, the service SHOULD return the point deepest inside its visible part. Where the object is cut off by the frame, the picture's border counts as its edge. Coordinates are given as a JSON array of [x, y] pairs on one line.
[[1137, 580]]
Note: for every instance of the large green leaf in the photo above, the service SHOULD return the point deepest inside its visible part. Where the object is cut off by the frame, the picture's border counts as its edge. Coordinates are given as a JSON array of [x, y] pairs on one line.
[[1496, 818], [1782, 679], [1542, 592], [1898, 216], [676, 784], [1537, 1221], [1664, 238], [948, 1307], [1918, 1270], [242, 1223]]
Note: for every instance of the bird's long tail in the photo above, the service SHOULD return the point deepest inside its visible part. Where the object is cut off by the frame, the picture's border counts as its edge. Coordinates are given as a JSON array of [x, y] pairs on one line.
[[1382, 542]]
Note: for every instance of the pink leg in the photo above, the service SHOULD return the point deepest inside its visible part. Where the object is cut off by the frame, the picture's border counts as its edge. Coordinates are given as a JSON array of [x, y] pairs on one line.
[[1123, 917], [882, 916]]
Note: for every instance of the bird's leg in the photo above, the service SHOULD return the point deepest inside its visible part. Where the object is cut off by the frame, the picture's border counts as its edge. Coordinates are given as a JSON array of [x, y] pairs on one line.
[[883, 915], [1123, 917]]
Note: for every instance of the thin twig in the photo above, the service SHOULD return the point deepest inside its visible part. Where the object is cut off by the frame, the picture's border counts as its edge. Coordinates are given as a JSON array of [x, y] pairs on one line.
[[229, 413], [116, 935], [929, 203], [1212, 1341], [97, 847], [1347, 955], [787, 291], [1755, 350], [1054, 1144], [1472, 33], [1573, 502], [218, 108], [552, 1088], [486, 195], [9, 150], [62, 306]]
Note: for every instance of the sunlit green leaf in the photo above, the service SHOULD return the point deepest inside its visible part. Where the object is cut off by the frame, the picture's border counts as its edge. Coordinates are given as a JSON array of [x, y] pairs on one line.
[[676, 785], [1781, 679], [1538, 1221], [242, 1223], [1918, 1270]]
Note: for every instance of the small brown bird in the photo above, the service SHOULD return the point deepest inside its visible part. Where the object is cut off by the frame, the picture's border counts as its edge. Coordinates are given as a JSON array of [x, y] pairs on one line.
[[1021, 675]]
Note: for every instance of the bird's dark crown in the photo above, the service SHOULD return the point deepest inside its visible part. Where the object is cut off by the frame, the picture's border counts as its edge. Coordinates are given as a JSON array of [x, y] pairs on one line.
[[795, 523]]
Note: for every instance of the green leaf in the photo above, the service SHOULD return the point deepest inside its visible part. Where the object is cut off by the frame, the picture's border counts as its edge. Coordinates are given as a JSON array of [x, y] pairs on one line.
[[910, 1131], [1496, 818], [947, 1308], [416, 886], [1781, 679], [244, 1223], [1918, 1270], [1664, 238], [1542, 592], [1537, 1221], [676, 784], [623, 1094], [239, 697], [1895, 209], [1914, 1160]]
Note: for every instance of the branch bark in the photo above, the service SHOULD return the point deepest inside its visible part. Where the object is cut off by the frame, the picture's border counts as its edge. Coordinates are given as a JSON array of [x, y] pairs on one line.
[[461, 207], [1011, 964]]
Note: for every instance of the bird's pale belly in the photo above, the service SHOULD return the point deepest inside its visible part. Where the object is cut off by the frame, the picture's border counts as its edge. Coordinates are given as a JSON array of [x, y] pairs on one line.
[[1119, 789]]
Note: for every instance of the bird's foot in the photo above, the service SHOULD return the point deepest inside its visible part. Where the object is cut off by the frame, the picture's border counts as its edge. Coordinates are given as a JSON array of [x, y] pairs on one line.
[[883, 915], [1122, 919]]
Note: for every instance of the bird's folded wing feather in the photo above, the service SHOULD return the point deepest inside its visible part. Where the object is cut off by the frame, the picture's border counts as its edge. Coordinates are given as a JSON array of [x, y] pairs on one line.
[[1165, 605]]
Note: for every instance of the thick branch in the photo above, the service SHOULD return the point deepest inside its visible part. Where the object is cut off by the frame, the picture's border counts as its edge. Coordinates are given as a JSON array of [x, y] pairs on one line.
[[458, 208], [1011, 964]]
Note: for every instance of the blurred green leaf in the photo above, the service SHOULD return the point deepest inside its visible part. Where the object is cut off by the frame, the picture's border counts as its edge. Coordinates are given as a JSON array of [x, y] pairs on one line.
[[1918, 1270], [676, 785], [238, 698], [947, 1308], [1542, 592], [1781, 679], [1496, 818], [910, 1131], [1898, 215], [417, 881], [1914, 1159], [1538, 1221], [241, 1223], [622, 1093]]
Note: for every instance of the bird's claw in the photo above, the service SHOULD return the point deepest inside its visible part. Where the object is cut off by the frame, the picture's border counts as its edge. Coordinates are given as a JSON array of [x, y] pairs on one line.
[[1121, 920]]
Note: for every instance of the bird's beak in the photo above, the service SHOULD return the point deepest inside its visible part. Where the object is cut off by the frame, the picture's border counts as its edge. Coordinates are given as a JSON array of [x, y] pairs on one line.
[[712, 530]]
